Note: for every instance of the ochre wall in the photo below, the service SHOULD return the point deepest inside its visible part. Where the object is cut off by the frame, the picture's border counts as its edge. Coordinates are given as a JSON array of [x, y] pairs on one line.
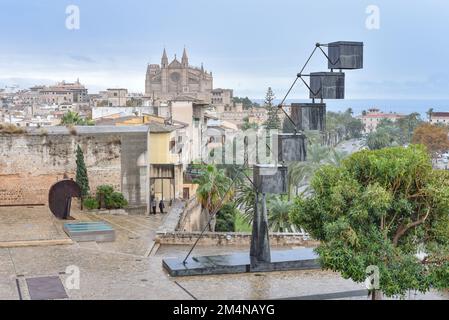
[[30, 164]]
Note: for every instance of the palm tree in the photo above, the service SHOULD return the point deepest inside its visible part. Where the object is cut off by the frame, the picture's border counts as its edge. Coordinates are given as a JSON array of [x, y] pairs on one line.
[[245, 196], [379, 139], [429, 114], [300, 173], [336, 157], [213, 190], [279, 215], [71, 118]]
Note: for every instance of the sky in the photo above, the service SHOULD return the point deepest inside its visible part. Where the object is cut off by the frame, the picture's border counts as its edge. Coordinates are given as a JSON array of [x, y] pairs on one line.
[[249, 45]]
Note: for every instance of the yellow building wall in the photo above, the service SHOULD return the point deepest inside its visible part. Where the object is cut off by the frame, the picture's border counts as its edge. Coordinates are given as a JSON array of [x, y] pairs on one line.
[[159, 148]]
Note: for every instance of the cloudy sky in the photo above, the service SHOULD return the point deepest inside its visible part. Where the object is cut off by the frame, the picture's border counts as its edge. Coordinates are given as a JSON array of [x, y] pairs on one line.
[[247, 44]]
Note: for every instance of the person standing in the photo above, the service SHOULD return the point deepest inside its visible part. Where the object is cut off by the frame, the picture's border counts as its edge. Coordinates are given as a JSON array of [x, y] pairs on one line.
[[153, 204], [161, 206]]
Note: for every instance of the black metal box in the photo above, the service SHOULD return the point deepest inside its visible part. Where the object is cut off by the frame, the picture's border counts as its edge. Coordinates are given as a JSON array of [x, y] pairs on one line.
[[269, 178], [291, 146], [345, 55], [309, 116], [327, 85]]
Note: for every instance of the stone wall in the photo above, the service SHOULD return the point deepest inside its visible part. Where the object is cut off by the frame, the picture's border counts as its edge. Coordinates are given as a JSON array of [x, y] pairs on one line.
[[232, 239], [30, 163], [193, 217]]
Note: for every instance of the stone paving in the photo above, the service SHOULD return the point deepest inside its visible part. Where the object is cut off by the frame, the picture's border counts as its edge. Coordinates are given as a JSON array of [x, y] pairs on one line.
[[29, 223], [124, 269]]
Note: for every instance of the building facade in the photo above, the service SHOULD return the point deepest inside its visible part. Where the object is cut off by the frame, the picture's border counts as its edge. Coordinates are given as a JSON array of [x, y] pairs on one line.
[[439, 118], [168, 81], [64, 93], [373, 117]]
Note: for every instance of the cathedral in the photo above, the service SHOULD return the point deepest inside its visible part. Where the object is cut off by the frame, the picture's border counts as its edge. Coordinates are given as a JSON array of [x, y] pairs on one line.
[[177, 79]]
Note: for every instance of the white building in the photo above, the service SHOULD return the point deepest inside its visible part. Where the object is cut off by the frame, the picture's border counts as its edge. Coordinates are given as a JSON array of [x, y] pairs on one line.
[[374, 116]]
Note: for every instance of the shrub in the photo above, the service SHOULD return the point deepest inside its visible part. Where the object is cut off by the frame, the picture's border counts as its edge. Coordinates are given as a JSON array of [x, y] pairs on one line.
[[109, 199], [91, 203], [11, 129], [115, 201], [226, 219]]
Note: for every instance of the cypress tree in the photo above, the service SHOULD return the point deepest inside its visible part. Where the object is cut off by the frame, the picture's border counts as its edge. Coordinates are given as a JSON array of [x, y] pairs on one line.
[[81, 172], [273, 121]]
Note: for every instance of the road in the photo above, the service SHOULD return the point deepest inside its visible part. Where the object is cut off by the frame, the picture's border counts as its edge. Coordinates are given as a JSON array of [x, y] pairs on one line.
[[350, 146]]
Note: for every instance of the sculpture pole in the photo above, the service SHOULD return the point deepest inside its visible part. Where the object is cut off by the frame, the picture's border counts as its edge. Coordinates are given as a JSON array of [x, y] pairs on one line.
[[260, 242]]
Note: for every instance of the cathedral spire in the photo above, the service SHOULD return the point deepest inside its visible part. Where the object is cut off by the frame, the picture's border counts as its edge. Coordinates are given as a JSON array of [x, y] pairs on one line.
[[164, 60], [185, 59]]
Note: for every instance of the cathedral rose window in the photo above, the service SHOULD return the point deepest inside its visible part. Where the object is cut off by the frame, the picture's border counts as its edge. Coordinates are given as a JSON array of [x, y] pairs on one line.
[[175, 76]]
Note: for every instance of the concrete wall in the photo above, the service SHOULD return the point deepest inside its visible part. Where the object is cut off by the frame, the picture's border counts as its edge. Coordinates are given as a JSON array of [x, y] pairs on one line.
[[133, 168], [231, 239], [31, 163], [193, 218]]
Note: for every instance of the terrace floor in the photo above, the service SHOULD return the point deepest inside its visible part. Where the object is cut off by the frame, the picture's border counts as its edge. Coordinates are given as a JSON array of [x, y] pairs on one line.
[[125, 269]]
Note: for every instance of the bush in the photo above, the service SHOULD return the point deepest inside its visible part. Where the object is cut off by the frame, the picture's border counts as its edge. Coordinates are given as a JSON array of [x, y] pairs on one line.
[[91, 203], [109, 199], [105, 190], [115, 201], [226, 219]]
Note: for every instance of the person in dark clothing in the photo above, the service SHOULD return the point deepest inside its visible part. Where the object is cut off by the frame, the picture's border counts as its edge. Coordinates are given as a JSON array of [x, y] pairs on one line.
[[161, 206], [153, 204]]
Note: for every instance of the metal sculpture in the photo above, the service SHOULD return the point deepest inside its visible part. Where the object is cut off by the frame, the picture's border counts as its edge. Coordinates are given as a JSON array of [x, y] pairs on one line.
[[291, 147], [260, 252], [327, 85], [272, 178], [345, 55], [309, 116], [60, 197]]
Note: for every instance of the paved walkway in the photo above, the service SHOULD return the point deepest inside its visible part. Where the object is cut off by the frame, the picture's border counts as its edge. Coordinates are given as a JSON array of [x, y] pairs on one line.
[[28, 224], [124, 270]]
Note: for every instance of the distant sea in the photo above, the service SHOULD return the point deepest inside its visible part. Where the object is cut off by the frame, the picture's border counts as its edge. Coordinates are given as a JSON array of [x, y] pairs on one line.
[[385, 105]]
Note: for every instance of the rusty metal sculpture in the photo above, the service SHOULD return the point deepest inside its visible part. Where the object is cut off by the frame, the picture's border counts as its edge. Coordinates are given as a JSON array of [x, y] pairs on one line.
[[60, 197]]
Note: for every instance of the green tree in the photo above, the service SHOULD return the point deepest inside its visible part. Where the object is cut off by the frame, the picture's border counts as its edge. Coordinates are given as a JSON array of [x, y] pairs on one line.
[[109, 199], [344, 124], [226, 218], [248, 125], [407, 125], [81, 172], [213, 190], [300, 173], [278, 215], [435, 138], [273, 121], [381, 208], [381, 138], [245, 197], [71, 118], [246, 102], [429, 113]]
